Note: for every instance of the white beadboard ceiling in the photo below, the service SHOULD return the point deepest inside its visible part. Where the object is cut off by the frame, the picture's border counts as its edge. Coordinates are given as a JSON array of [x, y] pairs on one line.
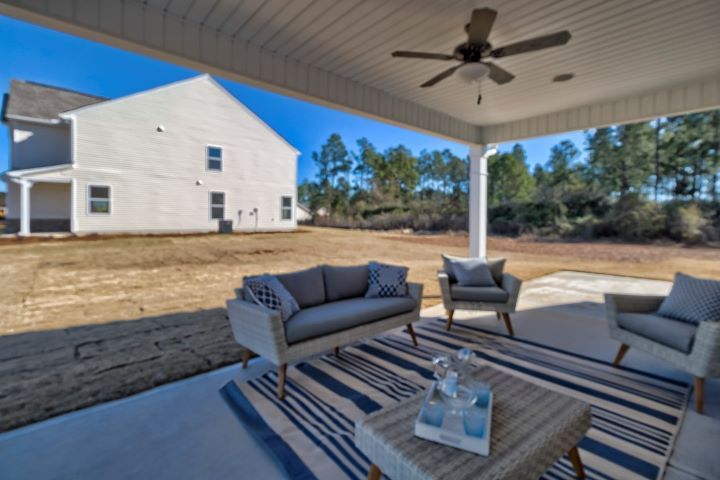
[[632, 59]]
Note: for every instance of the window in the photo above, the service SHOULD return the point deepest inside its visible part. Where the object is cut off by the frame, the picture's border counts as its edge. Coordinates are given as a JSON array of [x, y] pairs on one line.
[[99, 199], [214, 158], [286, 208], [217, 205]]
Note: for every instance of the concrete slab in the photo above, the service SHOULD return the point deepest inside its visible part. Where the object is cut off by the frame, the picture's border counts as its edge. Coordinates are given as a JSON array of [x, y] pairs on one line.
[[185, 430]]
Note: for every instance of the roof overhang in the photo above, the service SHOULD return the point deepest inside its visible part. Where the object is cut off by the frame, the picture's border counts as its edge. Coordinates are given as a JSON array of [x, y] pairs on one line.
[[632, 60]]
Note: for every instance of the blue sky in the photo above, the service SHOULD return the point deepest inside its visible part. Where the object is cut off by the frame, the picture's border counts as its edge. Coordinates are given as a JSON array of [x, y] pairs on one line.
[[42, 55]]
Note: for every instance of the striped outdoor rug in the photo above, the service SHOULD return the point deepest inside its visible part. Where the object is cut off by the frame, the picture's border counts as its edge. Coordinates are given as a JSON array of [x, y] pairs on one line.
[[635, 415]]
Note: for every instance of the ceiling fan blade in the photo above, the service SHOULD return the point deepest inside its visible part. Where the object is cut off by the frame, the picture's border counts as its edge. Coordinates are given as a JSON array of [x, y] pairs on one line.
[[480, 25], [441, 76], [499, 75], [538, 43], [431, 56]]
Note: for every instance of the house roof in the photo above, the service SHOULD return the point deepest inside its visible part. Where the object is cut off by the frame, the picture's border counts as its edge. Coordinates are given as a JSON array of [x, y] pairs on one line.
[[35, 101]]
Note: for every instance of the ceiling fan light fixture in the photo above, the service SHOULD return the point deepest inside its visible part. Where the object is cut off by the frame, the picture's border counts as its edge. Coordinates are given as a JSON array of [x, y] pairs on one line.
[[563, 77], [472, 73]]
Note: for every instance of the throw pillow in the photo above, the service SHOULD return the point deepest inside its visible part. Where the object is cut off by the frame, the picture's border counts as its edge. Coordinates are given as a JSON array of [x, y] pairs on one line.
[[267, 291], [497, 266], [386, 281], [472, 272], [692, 300]]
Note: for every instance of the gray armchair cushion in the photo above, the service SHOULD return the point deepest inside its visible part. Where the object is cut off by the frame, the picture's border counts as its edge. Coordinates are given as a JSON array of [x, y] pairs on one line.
[[478, 294], [497, 266], [472, 272], [668, 332], [345, 282], [306, 286], [692, 300], [343, 314]]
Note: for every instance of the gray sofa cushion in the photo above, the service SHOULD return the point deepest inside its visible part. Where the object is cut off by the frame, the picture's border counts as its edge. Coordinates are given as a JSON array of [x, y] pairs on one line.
[[671, 333], [306, 286], [692, 300], [497, 266], [345, 282], [343, 314], [478, 294]]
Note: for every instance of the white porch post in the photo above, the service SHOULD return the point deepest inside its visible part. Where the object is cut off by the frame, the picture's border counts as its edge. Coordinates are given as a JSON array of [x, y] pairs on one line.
[[25, 186], [478, 198]]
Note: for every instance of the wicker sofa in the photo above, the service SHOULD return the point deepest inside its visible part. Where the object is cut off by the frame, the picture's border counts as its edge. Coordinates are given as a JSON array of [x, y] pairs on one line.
[[334, 312], [695, 349]]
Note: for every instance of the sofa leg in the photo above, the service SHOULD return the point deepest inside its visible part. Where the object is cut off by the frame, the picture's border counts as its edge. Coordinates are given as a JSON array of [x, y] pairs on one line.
[[337, 351], [411, 331], [282, 371], [574, 457], [450, 314], [497, 314], [246, 357], [621, 353], [699, 394], [508, 324]]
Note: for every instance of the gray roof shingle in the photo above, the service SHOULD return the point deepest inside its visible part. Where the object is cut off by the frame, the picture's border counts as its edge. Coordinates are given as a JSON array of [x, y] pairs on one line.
[[43, 102]]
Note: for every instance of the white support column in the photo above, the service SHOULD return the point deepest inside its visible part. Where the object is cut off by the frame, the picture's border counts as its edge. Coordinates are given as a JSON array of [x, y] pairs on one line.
[[25, 186], [478, 198]]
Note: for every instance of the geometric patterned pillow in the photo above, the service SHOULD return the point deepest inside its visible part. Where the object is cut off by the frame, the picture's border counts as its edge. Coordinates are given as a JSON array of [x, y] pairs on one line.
[[267, 291], [386, 281], [692, 300]]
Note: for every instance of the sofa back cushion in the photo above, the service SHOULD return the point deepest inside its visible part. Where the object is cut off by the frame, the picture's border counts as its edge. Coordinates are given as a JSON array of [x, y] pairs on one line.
[[306, 286], [692, 300], [496, 265], [345, 282]]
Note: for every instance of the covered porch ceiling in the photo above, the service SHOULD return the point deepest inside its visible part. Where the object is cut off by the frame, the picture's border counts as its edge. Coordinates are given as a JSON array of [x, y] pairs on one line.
[[632, 60]]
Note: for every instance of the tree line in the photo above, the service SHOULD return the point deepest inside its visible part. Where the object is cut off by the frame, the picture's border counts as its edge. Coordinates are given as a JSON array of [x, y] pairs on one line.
[[656, 179]]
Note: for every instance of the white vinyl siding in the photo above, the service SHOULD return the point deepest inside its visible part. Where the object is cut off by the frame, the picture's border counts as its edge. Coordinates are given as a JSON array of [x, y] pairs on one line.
[[159, 180], [217, 205], [286, 206], [35, 146], [214, 158], [98, 200]]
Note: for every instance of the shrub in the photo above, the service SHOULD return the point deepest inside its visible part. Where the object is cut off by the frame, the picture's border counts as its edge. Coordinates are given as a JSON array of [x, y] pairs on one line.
[[686, 223], [633, 218]]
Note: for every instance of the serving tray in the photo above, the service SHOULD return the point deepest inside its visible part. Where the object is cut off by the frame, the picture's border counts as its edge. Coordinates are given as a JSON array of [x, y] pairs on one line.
[[452, 431]]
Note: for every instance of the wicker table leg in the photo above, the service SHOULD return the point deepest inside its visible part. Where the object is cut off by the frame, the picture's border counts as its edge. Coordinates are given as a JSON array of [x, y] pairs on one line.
[[576, 463], [375, 473]]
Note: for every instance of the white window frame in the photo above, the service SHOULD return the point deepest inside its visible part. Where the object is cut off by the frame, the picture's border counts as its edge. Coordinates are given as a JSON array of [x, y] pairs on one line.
[[208, 158], [282, 208], [211, 204], [88, 209]]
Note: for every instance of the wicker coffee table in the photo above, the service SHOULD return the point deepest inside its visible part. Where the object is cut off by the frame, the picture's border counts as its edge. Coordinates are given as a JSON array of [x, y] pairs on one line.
[[532, 427]]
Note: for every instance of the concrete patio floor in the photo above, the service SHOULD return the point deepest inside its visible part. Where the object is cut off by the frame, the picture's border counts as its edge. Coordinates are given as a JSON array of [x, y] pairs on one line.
[[185, 430]]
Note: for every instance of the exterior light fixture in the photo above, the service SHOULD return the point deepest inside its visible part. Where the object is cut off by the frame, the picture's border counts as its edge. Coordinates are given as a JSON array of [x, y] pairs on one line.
[[160, 128]]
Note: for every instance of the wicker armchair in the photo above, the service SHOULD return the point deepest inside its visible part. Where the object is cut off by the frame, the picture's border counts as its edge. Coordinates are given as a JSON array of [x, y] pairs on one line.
[[510, 284], [703, 358]]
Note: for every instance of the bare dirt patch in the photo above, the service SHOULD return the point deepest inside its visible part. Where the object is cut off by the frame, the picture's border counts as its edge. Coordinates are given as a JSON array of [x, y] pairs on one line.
[[88, 320]]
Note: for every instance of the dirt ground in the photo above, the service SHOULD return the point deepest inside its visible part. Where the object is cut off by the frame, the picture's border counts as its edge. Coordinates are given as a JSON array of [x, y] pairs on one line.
[[89, 320]]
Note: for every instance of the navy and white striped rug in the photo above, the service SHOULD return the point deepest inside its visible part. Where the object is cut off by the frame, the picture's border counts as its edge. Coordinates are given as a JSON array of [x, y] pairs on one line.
[[635, 415]]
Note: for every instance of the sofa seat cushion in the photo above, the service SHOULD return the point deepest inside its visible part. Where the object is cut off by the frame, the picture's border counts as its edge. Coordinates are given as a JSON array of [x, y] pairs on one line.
[[478, 294], [343, 314], [671, 333], [306, 286]]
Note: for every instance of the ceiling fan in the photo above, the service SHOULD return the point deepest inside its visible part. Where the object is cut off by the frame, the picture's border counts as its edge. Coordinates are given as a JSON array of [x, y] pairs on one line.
[[477, 49]]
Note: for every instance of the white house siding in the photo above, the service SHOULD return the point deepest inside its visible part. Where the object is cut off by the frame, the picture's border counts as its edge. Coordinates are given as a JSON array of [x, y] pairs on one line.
[[36, 145], [159, 181]]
